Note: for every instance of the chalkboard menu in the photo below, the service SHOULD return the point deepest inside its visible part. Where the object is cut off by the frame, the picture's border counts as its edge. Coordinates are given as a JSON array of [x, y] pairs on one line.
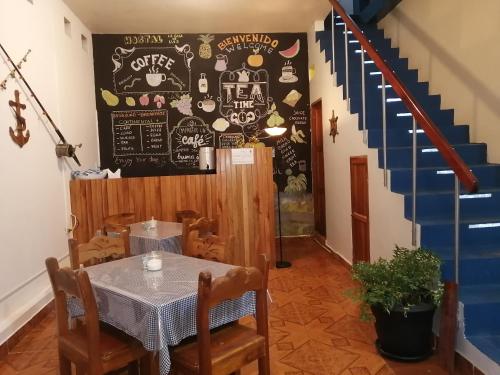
[[161, 97]]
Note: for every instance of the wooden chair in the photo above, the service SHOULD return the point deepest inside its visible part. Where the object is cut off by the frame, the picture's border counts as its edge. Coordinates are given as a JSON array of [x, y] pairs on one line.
[[227, 349], [101, 248], [203, 225], [209, 247], [94, 349], [186, 214], [122, 219]]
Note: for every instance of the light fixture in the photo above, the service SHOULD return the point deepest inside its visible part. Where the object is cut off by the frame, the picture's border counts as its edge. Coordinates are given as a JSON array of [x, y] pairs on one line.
[[274, 132]]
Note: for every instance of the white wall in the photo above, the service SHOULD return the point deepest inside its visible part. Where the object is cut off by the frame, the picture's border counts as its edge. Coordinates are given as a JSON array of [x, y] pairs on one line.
[[454, 45], [33, 190], [387, 223]]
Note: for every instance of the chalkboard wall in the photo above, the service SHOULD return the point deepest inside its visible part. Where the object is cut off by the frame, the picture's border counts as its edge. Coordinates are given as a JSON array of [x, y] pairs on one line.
[[161, 97]]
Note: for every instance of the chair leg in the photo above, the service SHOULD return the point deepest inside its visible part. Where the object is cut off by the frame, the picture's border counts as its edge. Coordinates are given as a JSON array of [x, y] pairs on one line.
[[133, 368], [150, 364], [264, 367], [64, 365]]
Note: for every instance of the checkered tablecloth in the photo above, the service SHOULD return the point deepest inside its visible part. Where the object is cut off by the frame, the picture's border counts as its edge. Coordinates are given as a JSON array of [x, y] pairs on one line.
[[159, 308], [141, 245], [166, 236]]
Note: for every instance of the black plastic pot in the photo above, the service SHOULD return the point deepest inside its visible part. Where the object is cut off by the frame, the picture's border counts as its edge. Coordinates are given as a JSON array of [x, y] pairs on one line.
[[405, 337]]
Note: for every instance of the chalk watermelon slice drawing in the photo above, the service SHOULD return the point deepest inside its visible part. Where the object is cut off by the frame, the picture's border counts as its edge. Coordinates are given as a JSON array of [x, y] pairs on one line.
[[292, 51]]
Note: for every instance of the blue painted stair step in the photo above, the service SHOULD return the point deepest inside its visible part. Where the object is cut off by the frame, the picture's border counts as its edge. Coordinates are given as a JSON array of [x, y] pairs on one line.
[[402, 157], [397, 137]]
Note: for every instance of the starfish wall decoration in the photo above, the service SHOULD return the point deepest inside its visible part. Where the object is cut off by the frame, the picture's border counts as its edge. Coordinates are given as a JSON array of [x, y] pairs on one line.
[[333, 126]]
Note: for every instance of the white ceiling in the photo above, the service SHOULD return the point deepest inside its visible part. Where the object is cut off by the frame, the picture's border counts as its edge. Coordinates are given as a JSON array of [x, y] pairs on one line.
[[197, 16]]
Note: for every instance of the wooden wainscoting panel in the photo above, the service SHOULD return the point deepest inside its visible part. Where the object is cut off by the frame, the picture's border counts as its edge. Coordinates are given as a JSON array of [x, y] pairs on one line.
[[240, 197]]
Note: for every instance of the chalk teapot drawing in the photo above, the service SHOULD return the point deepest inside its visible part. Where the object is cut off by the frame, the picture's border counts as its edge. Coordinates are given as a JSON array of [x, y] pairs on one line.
[[221, 63], [243, 76]]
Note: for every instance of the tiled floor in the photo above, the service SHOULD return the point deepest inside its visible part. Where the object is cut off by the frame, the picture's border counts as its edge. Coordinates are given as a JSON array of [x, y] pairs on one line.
[[314, 327]]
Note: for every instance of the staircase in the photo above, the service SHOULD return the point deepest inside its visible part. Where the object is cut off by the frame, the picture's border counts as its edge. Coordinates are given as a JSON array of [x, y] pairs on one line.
[[480, 213]]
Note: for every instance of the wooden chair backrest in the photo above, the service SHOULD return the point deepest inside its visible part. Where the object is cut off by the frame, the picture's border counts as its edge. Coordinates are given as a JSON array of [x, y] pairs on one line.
[[123, 219], [101, 248], [210, 247], [119, 231], [234, 284], [203, 225], [187, 214], [68, 283]]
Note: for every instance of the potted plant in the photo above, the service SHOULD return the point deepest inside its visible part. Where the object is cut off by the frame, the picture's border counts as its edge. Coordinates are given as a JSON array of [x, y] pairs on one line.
[[402, 294]]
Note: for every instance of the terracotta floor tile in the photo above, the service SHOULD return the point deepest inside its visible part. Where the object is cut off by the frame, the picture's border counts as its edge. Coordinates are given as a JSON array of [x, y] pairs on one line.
[[314, 357], [314, 328]]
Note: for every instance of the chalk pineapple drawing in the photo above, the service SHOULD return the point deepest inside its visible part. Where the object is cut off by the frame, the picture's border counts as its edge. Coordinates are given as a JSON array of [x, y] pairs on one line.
[[205, 50]]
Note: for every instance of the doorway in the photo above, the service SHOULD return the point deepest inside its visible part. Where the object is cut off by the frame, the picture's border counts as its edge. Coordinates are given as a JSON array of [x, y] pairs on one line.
[[359, 209], [318, 168]]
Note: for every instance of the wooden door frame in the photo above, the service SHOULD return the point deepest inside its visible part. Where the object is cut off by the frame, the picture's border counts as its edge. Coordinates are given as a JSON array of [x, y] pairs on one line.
[[360, 159], [314, 171]]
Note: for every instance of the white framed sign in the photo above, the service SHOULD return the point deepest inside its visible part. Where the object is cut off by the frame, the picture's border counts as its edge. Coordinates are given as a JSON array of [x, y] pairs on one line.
[[242, 156]]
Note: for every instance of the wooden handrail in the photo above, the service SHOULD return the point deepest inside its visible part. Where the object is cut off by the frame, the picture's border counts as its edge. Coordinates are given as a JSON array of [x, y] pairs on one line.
[[454, 160]]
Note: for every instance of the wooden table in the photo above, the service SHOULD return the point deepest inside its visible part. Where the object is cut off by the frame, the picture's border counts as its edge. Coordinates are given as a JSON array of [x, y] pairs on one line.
[[158, 308], [167, 236]]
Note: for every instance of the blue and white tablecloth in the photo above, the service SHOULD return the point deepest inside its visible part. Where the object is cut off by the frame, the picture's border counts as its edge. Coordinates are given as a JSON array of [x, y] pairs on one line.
[[159, 308], [167, 236]]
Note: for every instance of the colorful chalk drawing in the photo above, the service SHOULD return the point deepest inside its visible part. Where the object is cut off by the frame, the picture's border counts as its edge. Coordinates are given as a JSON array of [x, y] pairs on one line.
[[203, 83], [295, 184], [298, 119], [292, 51], [221, 62], [186, 138], [286, 152], [274, 119], [244, 95], [205, 50], [288, 73], [297, 136], [221, 124], [256, 59], [159, 100], [140, 132], [183, 104], [292, 98], [263, 42], [144, 100], [231, 140], [139, 69], [207, 104]]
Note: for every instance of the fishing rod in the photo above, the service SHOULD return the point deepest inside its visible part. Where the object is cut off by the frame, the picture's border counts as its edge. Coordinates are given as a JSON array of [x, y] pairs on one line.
[[61, 136]]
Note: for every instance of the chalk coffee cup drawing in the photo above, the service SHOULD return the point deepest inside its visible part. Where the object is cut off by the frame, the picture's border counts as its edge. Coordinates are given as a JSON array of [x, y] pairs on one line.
[[155, 79], [208, 105], [288, 74]]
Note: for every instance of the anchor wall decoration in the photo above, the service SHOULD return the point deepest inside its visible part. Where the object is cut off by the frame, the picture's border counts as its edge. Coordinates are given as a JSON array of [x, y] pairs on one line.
[[21, 126], [18, 135]]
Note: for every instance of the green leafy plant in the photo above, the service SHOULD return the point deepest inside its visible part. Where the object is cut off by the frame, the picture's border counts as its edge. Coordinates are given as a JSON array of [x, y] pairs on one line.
[[411, 277]]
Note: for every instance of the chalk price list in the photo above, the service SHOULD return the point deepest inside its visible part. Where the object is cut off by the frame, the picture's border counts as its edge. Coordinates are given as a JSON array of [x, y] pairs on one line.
[[140, 133]]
